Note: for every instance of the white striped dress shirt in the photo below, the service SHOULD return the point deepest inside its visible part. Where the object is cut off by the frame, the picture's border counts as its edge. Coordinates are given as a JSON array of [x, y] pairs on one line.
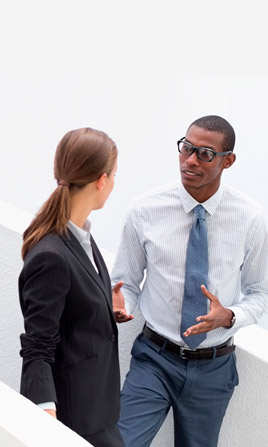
[[154, 240], [83, 237]]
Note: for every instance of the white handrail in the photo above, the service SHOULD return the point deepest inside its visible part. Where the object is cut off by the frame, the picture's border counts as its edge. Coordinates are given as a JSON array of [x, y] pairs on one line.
[[23, 424]]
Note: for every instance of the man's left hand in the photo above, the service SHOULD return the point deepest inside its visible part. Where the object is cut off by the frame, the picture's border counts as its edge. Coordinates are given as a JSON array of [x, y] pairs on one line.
[[218, 316], [119, 309]]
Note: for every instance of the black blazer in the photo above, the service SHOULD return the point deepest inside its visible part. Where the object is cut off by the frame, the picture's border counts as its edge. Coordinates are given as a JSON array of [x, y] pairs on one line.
[[70, 345]]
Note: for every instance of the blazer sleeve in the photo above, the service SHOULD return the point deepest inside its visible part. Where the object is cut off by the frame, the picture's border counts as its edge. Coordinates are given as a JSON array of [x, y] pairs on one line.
[[44, 283]]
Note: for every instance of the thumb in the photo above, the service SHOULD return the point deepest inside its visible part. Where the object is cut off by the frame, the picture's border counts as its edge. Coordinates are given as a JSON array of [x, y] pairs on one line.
[[118, 286]]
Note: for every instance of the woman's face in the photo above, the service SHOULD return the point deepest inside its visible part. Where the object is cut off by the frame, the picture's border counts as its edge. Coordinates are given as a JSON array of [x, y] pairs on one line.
[[108, 186]]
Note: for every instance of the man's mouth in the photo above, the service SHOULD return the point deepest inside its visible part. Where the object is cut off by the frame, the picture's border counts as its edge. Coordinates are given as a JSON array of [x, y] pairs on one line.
[[190, 173]]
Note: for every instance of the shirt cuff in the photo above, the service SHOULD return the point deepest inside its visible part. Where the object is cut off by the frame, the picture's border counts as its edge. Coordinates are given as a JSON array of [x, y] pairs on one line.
[[47, 406], [240, 316]]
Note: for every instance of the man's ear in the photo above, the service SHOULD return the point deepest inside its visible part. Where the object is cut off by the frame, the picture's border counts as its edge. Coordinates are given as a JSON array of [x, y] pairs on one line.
[[101, 182], [229, 160]]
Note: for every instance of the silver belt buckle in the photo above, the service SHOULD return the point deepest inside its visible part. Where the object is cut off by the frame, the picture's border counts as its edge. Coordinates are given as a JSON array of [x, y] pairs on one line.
[[182, 352]]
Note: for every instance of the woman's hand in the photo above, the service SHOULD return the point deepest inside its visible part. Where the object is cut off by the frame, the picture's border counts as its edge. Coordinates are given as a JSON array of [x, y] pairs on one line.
[[52, 413]]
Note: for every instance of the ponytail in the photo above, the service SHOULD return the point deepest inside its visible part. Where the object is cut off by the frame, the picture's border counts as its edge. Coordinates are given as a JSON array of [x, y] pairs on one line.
[[51, 218]]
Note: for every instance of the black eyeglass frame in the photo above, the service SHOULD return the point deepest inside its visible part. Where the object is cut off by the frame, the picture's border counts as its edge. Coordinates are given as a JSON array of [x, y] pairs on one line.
[[196, 149]]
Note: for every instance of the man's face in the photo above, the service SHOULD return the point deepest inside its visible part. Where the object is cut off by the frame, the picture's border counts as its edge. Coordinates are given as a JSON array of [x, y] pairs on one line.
[[200, 178]]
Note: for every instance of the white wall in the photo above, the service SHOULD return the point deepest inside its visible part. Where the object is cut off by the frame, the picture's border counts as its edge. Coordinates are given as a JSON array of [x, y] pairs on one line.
[[12, 223], [245, 423], [140, 70]]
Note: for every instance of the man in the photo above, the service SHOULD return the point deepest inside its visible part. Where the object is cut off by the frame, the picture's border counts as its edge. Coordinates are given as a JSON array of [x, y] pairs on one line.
[[201, 244]]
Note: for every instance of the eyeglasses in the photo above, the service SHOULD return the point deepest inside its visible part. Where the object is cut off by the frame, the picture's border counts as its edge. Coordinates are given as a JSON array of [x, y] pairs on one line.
[[203, 153]]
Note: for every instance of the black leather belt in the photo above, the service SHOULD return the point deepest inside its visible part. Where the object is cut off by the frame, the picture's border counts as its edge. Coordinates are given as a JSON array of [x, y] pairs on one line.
[[188, 354]]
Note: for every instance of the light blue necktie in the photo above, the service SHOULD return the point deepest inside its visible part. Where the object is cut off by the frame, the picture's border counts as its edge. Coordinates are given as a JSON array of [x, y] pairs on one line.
[[196, 273]]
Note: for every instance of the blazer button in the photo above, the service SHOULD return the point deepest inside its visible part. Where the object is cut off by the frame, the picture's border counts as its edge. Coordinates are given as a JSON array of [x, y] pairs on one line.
[[113, 337]]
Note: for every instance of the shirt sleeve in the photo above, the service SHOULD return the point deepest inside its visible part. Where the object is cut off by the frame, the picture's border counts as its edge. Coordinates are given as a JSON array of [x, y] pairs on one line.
[[254, 276], [47, 406], [130, 262]]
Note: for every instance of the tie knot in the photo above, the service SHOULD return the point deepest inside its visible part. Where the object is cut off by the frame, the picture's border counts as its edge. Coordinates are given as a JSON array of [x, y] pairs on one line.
[[200, 212]]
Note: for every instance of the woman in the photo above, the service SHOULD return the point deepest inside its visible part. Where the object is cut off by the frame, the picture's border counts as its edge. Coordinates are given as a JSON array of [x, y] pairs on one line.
[[69, 349]]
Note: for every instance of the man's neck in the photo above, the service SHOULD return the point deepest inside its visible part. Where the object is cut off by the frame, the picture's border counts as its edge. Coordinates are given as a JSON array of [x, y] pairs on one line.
[[201, 194]]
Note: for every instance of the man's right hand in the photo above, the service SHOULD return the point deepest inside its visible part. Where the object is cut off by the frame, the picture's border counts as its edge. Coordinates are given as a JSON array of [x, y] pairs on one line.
[[119, 309]]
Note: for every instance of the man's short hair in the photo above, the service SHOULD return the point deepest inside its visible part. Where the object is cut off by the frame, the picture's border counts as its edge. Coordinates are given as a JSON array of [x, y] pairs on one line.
[[218, 124]]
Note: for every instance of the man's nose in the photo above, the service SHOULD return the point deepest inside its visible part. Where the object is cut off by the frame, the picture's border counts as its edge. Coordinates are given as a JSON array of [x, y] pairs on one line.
[[192, 160]]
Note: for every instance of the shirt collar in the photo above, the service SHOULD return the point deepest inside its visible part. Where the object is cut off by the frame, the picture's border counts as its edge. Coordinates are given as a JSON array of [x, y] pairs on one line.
[[210, 205], [81, 234]]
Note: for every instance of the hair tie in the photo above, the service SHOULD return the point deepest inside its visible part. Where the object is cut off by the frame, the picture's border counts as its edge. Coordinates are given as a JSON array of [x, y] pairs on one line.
[[64, 183]]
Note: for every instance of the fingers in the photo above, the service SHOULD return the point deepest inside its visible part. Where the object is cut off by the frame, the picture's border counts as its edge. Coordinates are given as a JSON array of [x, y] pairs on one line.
[[198, 329], [52, 413], [118, 286], [217, 316], [203, 318], [207, 293], [122, 317]]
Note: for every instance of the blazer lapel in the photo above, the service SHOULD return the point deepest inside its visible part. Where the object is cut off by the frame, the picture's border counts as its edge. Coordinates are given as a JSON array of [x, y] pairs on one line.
[[72, 243], [103, 272]]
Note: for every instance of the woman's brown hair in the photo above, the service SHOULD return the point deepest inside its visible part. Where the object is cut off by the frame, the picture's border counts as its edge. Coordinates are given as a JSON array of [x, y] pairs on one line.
[[82, 156]]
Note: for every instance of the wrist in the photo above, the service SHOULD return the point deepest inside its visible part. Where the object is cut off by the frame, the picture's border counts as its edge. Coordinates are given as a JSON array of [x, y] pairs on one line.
[[230, 319]]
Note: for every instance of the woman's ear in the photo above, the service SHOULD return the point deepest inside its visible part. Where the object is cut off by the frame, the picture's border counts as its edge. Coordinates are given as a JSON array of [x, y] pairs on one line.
[[101, 182]]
